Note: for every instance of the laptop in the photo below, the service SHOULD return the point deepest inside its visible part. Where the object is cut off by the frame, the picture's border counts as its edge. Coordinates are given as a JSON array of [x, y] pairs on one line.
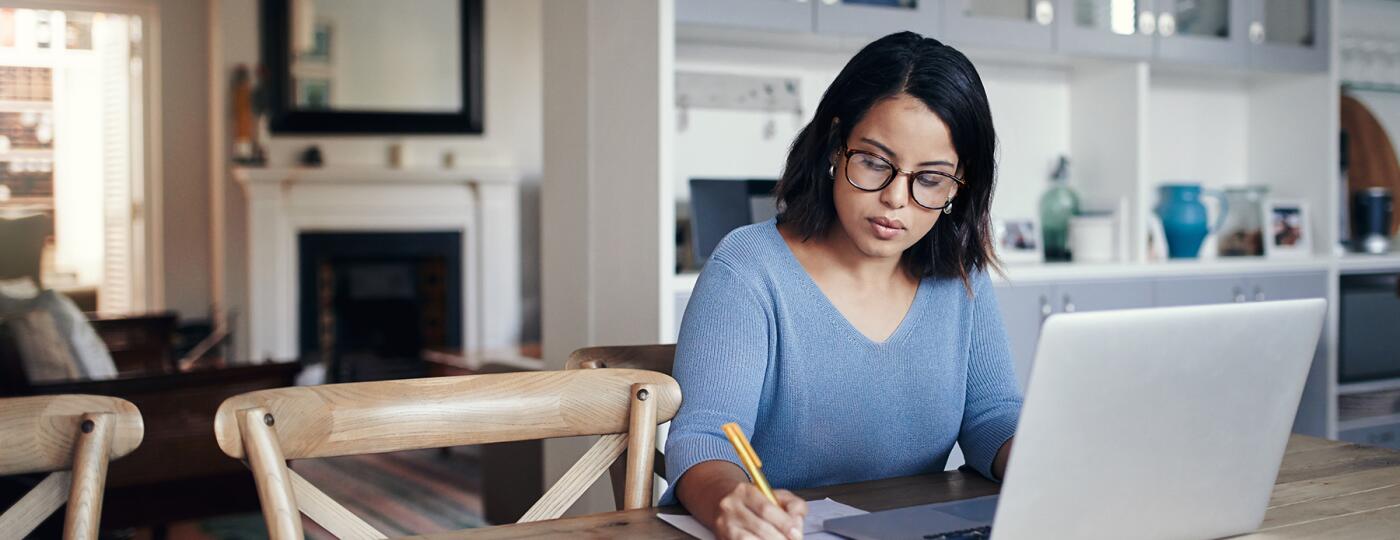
[[1146, 423]]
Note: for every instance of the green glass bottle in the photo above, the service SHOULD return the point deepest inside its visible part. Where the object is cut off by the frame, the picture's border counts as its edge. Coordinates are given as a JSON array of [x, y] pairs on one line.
[[1057, 205]]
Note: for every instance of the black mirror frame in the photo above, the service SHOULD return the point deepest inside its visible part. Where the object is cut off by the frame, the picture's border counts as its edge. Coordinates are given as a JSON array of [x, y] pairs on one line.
[[282, 118]]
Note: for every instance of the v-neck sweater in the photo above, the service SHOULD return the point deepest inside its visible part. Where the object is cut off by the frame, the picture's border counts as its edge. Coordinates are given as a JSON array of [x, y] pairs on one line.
[[761, 345]]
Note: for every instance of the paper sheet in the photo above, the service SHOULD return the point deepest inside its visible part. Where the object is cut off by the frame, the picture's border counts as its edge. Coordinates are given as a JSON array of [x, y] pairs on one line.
[[817, 513]]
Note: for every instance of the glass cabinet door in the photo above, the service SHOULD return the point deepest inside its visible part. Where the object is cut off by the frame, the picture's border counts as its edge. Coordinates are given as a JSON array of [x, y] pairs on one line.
[[1289, 34], [1007, 24], [1113, 28], [875, 18], [1203, 31], [774, 15]]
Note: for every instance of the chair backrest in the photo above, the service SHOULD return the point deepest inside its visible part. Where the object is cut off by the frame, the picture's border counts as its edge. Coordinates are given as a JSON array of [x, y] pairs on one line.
[[268, 427], [658, 358], [73, 437], [648, 357]]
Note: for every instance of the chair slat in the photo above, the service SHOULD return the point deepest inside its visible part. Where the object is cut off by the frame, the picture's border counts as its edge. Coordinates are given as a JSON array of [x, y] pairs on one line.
[[37, 505], [329, 514], [577, 480], [390, 416]]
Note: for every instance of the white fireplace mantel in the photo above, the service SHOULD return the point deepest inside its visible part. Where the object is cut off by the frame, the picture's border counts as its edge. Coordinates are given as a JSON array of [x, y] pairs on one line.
[[480, 202]]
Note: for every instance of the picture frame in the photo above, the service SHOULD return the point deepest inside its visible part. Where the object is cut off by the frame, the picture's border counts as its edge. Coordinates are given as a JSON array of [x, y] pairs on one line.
[[1288, 232], [1018, 240]]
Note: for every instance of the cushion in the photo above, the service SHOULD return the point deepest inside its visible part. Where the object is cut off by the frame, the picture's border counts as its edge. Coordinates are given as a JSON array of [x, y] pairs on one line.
[[44, 354], [94, 361]]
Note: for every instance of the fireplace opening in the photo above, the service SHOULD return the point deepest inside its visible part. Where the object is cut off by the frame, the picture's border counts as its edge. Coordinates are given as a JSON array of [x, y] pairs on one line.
[[370, 303]]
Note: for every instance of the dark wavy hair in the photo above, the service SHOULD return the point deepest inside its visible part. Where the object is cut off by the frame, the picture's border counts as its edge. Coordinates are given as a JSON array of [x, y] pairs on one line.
[[945, 81]]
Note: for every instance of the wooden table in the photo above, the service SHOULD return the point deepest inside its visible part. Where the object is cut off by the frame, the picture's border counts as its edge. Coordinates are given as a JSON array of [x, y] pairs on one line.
[[1325, 489]]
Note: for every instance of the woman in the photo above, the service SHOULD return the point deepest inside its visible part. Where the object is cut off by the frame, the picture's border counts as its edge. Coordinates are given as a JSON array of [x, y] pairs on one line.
[[856, 336]]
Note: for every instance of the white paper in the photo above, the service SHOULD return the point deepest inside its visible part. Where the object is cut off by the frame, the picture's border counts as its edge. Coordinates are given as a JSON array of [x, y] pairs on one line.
[[817, 513]]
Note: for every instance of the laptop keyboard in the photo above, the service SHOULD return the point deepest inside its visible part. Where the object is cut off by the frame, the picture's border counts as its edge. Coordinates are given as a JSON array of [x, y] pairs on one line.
[[965, 534]]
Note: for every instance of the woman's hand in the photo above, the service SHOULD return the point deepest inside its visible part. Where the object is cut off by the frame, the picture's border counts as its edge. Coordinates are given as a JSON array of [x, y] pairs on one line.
[[719, 494], [745, 513]]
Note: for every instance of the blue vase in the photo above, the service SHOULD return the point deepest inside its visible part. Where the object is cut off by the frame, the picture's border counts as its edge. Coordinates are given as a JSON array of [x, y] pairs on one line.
[[1185, 220]]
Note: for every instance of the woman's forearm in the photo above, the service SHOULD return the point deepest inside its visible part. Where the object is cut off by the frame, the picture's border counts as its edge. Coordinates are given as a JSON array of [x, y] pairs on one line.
[[999, 463], [701, 488]]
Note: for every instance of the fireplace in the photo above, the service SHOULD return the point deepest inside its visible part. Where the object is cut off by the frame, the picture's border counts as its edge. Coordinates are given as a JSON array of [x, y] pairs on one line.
[[474, 208], [370, 302]]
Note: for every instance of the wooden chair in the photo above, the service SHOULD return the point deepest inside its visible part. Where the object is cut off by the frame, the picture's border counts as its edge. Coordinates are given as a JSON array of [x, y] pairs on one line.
[[658, 358], [649, 357], [268, 427], [73, 437]]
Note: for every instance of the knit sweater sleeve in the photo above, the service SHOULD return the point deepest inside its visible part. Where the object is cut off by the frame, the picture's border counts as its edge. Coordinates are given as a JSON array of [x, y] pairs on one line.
[[722, 357], [993, 400]]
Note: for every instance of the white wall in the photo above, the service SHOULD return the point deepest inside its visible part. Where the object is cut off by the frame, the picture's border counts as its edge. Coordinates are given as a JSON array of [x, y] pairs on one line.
[[184, 220], [512, 135]]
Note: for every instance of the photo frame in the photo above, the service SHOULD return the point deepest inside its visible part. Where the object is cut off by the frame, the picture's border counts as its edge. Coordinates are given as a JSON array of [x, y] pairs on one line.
[[1288, 232], [1017, 240]]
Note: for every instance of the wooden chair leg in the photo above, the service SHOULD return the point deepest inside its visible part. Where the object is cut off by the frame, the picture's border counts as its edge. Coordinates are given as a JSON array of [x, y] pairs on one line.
[[93, 447], [641, 447], [270, 473]]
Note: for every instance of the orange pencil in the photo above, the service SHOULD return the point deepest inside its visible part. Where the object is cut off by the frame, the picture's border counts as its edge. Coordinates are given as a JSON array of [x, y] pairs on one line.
[[749, 458]]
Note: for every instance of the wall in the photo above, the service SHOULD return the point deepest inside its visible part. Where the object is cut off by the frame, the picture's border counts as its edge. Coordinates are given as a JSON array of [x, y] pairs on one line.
[[513, 135]]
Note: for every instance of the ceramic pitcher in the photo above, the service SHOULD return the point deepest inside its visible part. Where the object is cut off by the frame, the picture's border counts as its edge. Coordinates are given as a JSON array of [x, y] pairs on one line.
[[1185, 219]]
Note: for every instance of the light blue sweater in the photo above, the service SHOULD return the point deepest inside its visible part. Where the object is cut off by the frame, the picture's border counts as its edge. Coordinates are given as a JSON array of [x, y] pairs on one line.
[[761, 345]]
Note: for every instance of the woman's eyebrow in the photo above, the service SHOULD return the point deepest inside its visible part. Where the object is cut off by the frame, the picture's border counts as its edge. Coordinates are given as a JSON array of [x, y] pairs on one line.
[[895, 156]]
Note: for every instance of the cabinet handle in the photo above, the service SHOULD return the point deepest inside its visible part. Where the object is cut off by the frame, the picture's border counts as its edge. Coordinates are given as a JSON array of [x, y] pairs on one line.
[[1256, 32], [830, 2], [1258, 294], [1044, 12], [1147, 24], [1239, 295], [1045, 308], [1166, 24], [1069, 305]]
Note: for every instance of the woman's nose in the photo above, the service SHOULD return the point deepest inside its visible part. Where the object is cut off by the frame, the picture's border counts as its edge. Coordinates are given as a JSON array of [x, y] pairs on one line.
[[896, 195]]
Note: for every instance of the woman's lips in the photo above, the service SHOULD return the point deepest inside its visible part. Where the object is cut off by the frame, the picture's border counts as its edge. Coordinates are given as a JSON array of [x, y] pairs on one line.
[[885, 229]]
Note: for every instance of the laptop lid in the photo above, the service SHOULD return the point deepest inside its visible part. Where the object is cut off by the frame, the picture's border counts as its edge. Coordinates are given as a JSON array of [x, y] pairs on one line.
[[1157, 423]]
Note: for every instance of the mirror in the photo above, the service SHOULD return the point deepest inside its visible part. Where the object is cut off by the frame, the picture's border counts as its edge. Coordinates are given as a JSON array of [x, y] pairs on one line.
[[369, 66]]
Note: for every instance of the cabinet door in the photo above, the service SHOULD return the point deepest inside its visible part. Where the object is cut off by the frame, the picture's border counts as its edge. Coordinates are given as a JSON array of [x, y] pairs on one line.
[[776, 15], [1108, 28], [1005, 24], [1103, 295], [1023, 307], [1199, 291], [1289, 35], [876, 18], [1203, 31], [1313, 407]]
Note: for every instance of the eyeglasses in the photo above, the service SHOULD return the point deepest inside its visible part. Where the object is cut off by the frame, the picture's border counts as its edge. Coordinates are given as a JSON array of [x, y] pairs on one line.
[[871, 172]]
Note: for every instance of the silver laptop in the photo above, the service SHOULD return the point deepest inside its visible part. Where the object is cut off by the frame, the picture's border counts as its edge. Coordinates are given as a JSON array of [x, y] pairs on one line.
[[1147, 423]]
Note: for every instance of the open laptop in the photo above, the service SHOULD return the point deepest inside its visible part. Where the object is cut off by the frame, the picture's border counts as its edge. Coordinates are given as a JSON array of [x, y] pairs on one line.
[[1147, 423]]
